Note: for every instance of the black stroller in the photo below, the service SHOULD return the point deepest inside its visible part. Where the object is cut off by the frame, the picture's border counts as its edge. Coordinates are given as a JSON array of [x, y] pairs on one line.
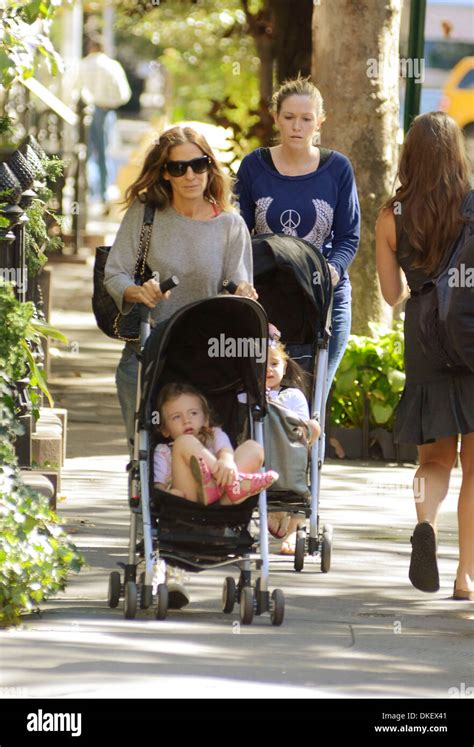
[[294, 287], [185, 534]]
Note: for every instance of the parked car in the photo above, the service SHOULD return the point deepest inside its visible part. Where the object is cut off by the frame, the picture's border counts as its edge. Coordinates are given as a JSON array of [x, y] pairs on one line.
[[458, 100]]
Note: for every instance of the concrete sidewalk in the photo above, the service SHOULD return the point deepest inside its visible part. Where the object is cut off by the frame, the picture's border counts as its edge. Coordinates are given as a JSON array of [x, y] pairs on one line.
[[359, 631]]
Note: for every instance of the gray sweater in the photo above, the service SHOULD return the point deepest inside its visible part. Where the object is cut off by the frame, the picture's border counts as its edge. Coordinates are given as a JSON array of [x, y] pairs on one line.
[[201, 253]]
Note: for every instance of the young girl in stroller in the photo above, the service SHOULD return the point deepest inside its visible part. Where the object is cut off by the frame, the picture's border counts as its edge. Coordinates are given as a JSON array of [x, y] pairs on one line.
[[280, 366], [198, 462]]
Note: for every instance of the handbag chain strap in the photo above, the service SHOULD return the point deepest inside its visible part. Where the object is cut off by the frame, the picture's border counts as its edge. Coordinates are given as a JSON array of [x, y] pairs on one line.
[[144, 246]]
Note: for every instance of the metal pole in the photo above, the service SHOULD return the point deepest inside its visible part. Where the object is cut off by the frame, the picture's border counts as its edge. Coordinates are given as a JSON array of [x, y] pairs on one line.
[[416, 43]]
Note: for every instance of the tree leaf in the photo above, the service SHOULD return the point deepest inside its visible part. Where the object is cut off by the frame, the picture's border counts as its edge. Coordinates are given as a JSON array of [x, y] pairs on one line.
[[381, 413], [36, 373]]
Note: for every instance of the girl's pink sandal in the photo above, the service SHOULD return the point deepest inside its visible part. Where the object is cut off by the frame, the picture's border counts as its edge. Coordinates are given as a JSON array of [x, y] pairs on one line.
[[258, 481], [208, 491]]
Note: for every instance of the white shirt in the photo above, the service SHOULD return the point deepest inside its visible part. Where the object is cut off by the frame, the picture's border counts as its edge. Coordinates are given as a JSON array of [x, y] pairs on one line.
[[104, 80], [292, 399]]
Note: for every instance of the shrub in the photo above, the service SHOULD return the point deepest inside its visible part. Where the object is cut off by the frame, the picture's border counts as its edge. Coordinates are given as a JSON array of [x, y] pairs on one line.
[[371, 374], [35, 554]]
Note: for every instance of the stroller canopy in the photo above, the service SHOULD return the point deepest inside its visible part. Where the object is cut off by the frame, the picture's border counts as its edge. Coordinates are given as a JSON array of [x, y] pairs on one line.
[[293, 283], [218, 345]]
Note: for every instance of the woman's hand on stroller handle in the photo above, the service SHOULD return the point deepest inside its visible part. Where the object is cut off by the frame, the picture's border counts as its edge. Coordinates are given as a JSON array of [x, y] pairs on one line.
[[150, 293], [244, 289]]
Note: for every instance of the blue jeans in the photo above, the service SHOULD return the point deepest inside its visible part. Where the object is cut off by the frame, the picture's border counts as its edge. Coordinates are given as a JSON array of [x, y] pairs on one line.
[[98, 141], [341, 329], [126, 381]]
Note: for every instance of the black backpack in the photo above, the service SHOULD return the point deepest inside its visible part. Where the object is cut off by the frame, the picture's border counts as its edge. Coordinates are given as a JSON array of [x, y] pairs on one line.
[[446, 309]]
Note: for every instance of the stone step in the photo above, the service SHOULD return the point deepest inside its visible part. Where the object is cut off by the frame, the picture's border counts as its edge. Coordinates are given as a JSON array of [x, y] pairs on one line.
[[47, 450], [43, 482], [56, 415]]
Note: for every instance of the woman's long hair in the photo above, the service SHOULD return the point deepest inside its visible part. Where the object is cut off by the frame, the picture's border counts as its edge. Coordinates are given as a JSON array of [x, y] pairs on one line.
[[434, 177], [152, 187], [295, 376]]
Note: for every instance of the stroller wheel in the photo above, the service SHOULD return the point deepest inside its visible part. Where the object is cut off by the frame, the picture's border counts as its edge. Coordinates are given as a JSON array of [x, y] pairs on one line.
[[146, 593], [228, 595], [277, 607], [130, 600], [326, 549], [114, 589], [162, 602], [247, 605], [300, 549]]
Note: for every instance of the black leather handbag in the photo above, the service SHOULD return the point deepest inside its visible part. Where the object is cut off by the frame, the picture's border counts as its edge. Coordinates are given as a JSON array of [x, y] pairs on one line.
[[119, 326]]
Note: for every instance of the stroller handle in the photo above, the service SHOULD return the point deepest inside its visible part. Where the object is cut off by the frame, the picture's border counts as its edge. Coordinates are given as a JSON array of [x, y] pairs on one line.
[[169, 283], [230, 286], [166, 285]]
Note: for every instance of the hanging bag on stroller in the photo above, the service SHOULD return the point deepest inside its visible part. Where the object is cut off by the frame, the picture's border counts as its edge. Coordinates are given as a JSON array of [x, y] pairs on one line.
[[286, 449]]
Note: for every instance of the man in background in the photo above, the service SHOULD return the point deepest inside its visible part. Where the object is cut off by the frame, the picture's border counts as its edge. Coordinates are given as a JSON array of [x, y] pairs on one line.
[[103, 81]]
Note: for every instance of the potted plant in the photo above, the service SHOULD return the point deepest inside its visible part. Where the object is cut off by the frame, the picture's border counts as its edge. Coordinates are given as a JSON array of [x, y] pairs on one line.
[[365, 395]]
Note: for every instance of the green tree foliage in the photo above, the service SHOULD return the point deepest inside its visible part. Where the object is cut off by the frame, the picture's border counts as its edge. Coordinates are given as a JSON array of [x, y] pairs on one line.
[[21, 43], [209, 57], [371, 370], [35, 554]]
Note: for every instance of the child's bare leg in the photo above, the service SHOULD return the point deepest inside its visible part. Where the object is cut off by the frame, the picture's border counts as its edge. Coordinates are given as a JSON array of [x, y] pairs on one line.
[[249, 456], [182, 478]]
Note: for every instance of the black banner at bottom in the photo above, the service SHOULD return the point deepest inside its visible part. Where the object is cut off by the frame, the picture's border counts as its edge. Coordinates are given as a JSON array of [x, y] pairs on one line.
[[125, 722]]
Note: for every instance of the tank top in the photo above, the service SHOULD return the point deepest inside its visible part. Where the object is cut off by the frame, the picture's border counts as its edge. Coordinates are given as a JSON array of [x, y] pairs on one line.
[[416, 277]]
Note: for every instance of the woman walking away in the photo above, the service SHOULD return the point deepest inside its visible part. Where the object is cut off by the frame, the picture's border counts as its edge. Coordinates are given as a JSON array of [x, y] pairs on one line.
[[416, 231]]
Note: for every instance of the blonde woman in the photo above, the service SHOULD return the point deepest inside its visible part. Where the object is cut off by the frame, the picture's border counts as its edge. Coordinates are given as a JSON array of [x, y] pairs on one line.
[[415, 233], [196, 235], [300, 189]]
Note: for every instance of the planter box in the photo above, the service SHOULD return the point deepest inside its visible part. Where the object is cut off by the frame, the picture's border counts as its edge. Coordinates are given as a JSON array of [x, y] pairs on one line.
[[390, 451], [406, 453], [347, 443]]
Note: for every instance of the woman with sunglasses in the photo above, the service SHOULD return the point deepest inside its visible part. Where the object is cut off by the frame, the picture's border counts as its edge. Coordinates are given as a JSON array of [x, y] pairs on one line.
[[196, 235]]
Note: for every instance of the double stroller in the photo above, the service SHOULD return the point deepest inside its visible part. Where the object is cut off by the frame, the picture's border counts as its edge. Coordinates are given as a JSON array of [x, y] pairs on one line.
[[187, 535]]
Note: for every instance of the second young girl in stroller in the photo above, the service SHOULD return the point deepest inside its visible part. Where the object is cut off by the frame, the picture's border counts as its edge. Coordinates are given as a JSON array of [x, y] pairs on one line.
[[279, 366], [198, 462]]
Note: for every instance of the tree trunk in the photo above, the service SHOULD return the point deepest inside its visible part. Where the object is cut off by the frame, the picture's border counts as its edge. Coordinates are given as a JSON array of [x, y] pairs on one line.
[[260, 26], [293, 42], [356, 67]]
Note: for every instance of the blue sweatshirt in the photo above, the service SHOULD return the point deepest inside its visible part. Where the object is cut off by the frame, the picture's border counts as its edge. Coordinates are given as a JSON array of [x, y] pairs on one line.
[[321, 207]]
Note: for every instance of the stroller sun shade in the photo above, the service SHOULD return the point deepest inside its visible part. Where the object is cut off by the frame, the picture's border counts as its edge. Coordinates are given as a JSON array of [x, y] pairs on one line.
[[209, 344], [293, 285]]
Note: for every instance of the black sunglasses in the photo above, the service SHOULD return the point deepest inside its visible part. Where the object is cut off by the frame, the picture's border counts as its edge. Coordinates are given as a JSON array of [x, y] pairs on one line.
[[198, 165]]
